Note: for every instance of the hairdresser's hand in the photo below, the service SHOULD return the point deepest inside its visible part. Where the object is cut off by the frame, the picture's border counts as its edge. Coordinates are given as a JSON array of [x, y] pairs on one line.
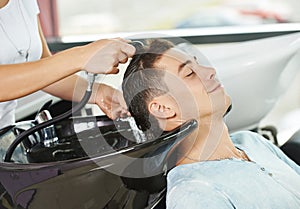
[[104, 56], [111, 101]]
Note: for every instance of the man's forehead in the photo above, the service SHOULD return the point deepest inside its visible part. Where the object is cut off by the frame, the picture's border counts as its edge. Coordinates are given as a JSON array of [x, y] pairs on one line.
[[177, 54], [172, 57]]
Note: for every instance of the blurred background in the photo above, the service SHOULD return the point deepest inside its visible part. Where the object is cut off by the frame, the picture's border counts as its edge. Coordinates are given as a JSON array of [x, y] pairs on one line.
[[110, 16]]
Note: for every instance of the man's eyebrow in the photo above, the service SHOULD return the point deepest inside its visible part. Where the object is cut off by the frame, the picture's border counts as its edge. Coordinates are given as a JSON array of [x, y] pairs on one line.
[[183, 64]]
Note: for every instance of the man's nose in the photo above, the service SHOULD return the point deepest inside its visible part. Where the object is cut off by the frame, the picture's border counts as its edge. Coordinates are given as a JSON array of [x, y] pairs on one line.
[[208, 73]]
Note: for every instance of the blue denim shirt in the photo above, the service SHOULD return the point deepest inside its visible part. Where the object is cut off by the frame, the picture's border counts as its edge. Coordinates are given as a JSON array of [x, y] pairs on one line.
[[270, 181]]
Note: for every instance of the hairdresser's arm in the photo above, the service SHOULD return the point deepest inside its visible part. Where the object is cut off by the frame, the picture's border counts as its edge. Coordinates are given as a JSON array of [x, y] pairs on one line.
[[102, 56], [65, 88], [73, 87], [19, 80]]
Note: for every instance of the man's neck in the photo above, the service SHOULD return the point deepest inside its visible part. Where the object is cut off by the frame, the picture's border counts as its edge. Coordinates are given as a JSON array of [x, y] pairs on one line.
[[211, 143]]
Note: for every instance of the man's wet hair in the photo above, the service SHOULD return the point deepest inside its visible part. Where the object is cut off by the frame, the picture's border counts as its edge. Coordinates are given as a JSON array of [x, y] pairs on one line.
[[143, 81]]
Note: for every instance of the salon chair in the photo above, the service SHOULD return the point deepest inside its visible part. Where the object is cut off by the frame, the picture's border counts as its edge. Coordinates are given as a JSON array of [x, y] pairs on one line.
[[94, 163]]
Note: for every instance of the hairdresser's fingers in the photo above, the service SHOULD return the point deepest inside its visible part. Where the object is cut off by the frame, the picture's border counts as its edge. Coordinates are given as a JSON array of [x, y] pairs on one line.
[[103, 56], [113, 70], [126, 47], [114, 111], [125, 113], [123, 58], [117, 111]]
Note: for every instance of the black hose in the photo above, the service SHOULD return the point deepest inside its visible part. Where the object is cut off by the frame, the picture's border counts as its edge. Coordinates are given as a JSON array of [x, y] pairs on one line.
[[26, 133]]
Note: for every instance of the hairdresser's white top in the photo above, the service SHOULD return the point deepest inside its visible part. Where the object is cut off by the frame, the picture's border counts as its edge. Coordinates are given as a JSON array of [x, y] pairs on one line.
[[271, 180], [18, 31]]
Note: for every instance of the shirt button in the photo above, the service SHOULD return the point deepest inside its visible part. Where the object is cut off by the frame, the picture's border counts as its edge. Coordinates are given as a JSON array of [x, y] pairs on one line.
[[262, 168]]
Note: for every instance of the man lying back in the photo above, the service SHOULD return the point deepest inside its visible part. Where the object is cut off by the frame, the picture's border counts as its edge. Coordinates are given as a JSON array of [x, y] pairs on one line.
[[163, 88]]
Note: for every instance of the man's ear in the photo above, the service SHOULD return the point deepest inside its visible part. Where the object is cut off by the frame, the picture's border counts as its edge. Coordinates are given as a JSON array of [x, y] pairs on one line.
[[159, 110]]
